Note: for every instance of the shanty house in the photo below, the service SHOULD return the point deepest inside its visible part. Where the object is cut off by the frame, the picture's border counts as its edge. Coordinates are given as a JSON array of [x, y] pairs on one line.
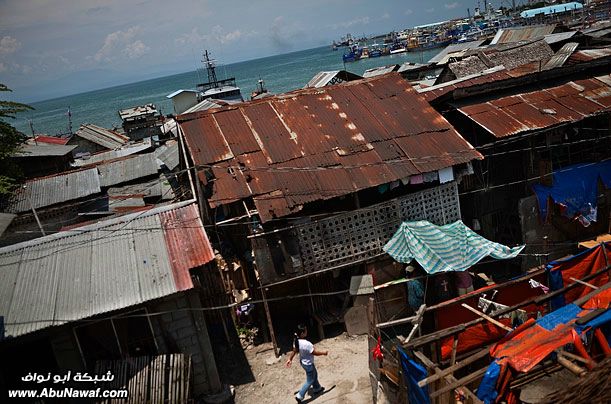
[[312, 183], [120, 289], [546, 175]]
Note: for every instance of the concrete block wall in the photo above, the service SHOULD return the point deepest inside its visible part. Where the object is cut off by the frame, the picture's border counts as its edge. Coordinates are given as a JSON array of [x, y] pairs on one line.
[[183, 330]]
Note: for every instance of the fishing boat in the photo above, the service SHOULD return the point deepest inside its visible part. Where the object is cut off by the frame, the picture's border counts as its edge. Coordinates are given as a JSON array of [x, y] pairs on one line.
[[225, 89]]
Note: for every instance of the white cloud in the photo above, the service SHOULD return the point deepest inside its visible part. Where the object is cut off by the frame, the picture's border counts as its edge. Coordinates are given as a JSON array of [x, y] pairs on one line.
[[118, 41], [8, 44], [192, 38], [451, 6], [430, 10], [385, 16], [409, 11], [355, 21], [135, 49], [218, 33], [3, 67]]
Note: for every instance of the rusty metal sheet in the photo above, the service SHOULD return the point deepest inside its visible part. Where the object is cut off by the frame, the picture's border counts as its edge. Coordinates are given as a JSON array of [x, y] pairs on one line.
[[569, 102], [270, 131], [308, 136], [317, 144], [233, 126], [187, 243], [205, 141]]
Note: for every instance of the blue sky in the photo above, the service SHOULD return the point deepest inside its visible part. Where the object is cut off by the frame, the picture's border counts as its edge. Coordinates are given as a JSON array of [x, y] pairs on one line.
[[69, 46]]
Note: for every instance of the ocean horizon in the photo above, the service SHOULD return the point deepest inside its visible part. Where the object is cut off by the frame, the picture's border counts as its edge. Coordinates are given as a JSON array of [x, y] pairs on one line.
[[281, 73]]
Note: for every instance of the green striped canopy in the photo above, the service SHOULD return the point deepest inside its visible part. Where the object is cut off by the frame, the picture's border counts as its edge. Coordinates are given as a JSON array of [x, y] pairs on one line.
[[452, 247]]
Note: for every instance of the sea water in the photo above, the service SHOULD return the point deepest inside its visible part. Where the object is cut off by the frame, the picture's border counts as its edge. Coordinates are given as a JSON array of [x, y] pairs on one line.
[[281, 73]]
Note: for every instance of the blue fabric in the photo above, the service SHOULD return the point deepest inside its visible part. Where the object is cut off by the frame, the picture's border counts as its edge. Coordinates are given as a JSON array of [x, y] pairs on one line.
[[561, 316], [596, 322], [311, 380], [413, 372], [486, 390], [415, 294], [575, 187], [556, 282]]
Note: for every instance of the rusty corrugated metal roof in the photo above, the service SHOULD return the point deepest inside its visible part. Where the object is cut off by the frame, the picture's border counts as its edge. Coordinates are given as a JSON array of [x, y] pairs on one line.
[[517, 34], [570, 102], [317, 144], [101, 267]]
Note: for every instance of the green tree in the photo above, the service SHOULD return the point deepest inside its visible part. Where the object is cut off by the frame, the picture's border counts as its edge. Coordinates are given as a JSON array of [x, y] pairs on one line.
[[10, 140]]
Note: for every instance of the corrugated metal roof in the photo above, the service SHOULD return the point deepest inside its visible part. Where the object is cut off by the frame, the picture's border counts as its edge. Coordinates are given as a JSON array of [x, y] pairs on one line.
[[43, 150], [378, 71], [570, 102], [553, 9], [517, 34], [49, 139], [159, 187], [167, 154], [587, 55], [407, 66], [127, 169], [100, 268], [47, 191], [455, 48], [561, 56], [175, 93], [487, 76], [113, 154], [138, 111], [559, 37], [102, 136], [371, 132], [210, 103], [5, 221], [326, 78]]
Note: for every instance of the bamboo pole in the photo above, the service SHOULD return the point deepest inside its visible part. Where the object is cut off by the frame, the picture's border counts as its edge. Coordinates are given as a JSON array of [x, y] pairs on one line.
[[487, 317]]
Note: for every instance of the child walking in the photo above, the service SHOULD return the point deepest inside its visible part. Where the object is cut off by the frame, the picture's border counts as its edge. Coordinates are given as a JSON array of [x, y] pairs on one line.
[[306, 355]]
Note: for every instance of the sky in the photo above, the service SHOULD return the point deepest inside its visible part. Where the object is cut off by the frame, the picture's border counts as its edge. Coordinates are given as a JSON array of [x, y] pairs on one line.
[[67, 47]]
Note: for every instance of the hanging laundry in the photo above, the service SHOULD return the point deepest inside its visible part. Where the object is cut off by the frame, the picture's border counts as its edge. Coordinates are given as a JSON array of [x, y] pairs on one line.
[[416, 179], [430, 177], [534, 284], [446, 175]]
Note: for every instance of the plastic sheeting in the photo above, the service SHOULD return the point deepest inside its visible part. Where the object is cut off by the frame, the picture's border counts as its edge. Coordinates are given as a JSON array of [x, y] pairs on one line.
[[578, 266], [413, 372], [575, 189], [532, 342], [451, 247], [487, 390]]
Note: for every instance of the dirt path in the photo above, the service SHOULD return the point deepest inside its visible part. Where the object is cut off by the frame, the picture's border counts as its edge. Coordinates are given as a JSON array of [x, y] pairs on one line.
[[344, 373]]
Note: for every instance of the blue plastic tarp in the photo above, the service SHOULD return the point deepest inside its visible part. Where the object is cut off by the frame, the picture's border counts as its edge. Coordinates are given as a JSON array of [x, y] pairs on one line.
[[561, 316], [413, 372], [575, 188], [487, 390]]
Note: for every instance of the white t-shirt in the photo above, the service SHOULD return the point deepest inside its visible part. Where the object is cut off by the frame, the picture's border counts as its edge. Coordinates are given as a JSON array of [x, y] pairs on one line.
[[305, 351]]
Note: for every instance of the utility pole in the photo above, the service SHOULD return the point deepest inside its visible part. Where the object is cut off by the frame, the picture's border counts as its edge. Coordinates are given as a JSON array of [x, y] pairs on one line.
[[34, 211]]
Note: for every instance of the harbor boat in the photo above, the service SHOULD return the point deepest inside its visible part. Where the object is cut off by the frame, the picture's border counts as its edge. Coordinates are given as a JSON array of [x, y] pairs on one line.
[[225, 89], [354, 53]]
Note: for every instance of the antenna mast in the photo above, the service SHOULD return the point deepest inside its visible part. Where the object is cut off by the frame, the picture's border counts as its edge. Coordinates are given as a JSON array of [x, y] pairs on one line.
[[209, 64]]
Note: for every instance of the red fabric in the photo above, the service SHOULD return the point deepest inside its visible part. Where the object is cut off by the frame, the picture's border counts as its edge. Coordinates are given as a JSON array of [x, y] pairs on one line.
[[473, 337], [600, 301], [377, 351], [455, 314], [588, 263]]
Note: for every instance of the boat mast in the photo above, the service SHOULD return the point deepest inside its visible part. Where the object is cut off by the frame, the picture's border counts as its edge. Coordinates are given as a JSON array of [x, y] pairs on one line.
[[209, 64]]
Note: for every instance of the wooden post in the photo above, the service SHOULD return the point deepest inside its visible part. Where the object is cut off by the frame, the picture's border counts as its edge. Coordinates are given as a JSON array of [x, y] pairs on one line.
[[449, 378], [269, 320], [454, 346]]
